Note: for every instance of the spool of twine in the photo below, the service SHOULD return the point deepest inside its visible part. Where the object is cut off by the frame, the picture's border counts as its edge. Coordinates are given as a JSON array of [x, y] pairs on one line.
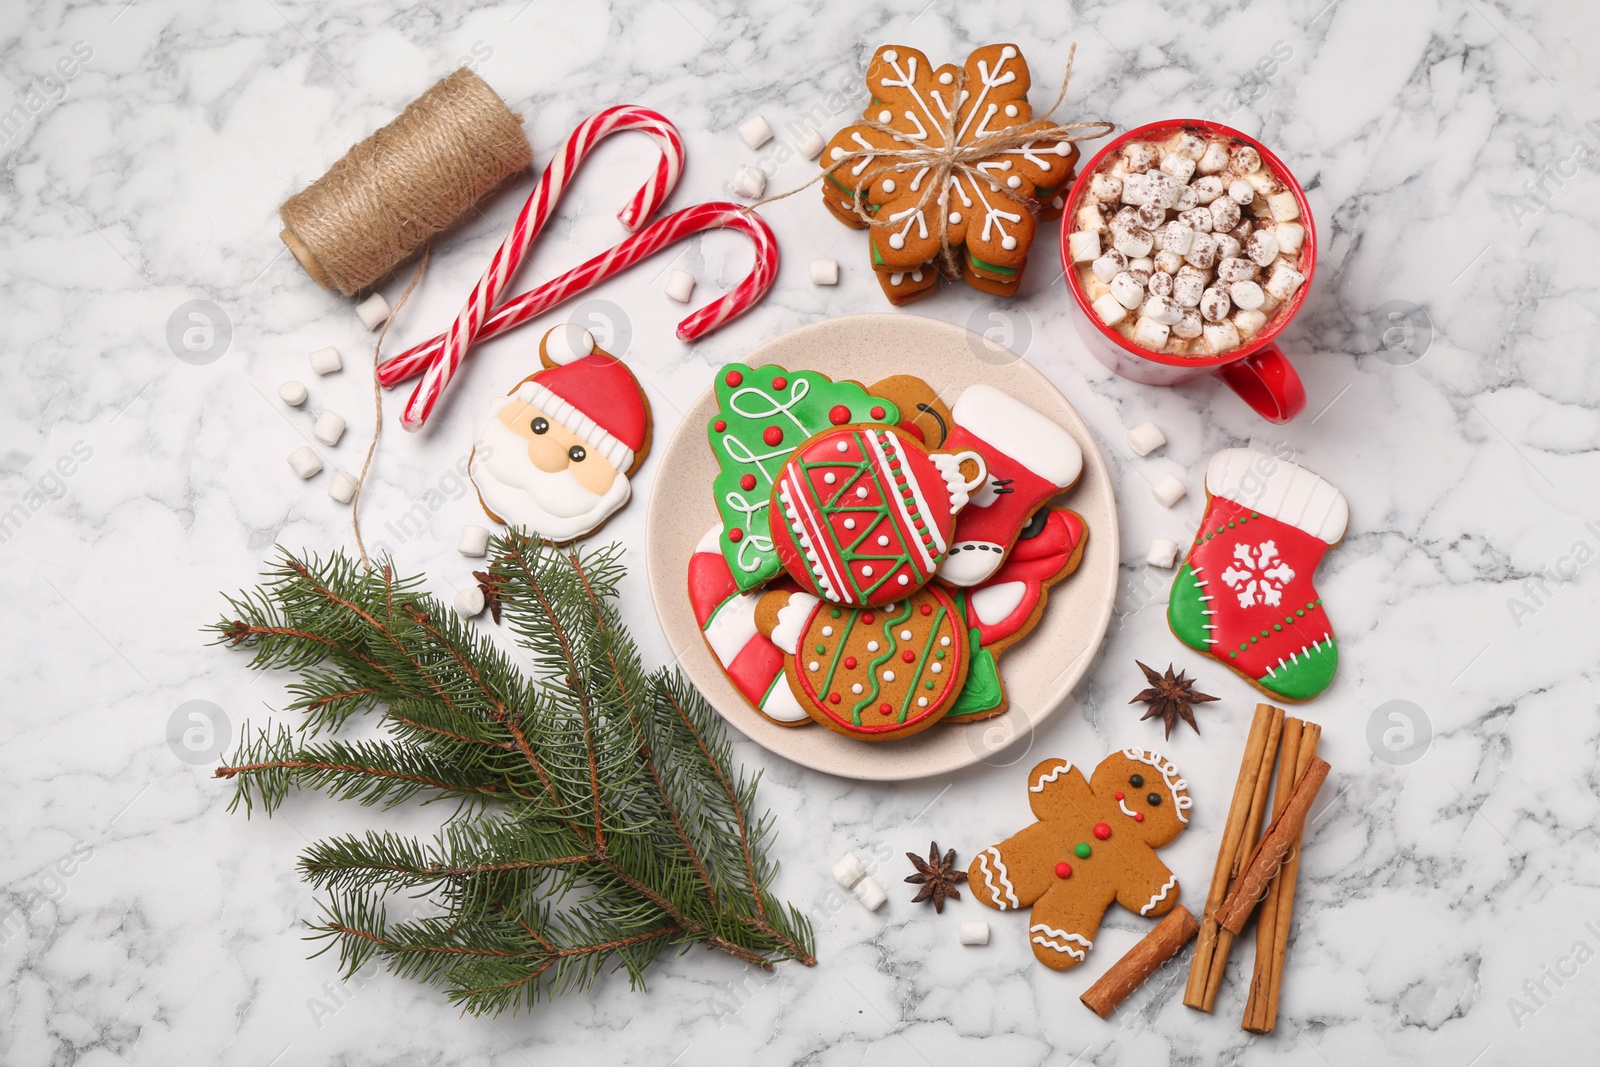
[[415, 177]]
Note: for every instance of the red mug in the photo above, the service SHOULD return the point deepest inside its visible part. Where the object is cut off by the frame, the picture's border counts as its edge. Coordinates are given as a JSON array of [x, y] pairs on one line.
[[1259, 372]]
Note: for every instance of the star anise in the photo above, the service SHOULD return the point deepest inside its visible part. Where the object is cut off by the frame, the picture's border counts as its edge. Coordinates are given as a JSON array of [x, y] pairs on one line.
[[937, 877], [491, 593], [1170, 697]]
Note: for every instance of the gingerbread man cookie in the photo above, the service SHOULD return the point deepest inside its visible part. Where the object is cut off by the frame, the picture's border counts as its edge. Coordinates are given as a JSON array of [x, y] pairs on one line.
[[1094, 844]]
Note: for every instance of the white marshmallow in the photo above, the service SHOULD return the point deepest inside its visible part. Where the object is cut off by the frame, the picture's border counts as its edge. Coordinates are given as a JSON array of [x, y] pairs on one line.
[[1163, 189], [1167, 262], [680, 286], [474, 541], [1136, 190], [1213, 159], [328, 428], [1187, 286], [373, 311], [1290, 236], [470, 602], [1163, 554], [1145, 438], [1188, 199], [1169, 490], [1215, 304], [1207, 189], [1109, 308], [1141, 155], [1162, 309], [1224, 214], [1283, 280], [847, 871], [810, 144], [1262, 247], [1197, 219], [1181, 168], [1128, 290], [1176, 237], [1151, 216], [1109, 265], [1228, 246], [1151, 334], [1247, 295], [306, 463], [749, 182], [343, 487], [1263, 182], [1241, 192], [1284, 207], [1188, 327], [1105, 188], [754, 131], [870, 893], [1090, 218], [824, 272], [1248, 323], [293, 393], [1246, 160], [1160, 283], [1236, 269], [325, 360], [1220, 337], [1135, 242], [1083, 246], [1202, 251], [1140, 268], [973, 932], [1189, 144]]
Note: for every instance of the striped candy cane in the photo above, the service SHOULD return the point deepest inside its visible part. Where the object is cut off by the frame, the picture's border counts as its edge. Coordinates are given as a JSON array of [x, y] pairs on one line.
[[645, 243], [541, 203]]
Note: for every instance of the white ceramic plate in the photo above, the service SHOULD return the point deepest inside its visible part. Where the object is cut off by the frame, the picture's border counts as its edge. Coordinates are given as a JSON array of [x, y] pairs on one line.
[[1039, 671]]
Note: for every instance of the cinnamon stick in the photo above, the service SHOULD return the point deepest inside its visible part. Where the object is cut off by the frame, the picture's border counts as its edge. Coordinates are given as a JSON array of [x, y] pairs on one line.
[[1272, 937], [1268, 723], [1266, 918], [1269, 854], [1128, 973]]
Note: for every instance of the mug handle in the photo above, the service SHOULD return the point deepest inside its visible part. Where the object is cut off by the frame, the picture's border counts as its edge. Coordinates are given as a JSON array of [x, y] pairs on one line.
[[1267, 381]]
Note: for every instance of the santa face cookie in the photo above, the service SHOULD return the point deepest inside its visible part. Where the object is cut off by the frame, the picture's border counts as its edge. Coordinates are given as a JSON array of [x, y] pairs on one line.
[[862, 516], [554, 455], [1093, 845], [869, 674], [1244, 593]]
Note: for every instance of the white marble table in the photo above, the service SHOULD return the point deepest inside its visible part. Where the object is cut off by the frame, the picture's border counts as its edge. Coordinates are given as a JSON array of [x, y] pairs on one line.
[[1448, 910]]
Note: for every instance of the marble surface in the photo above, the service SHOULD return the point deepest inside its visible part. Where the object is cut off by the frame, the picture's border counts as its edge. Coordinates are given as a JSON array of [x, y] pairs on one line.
[[1448, 910]]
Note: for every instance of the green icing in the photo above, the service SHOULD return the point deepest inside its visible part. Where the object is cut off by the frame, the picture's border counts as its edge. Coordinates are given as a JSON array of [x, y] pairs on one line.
[[990, 267], [1185, 610], [800, 409], [1310, 673], [983, 690]]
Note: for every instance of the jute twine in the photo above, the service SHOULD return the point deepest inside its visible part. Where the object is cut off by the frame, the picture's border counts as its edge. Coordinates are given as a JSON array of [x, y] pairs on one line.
[[410, 180], [946, 160]]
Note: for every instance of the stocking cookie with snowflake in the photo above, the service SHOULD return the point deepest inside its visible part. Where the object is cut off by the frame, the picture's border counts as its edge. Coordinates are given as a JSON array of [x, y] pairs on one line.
[[1244, 593]]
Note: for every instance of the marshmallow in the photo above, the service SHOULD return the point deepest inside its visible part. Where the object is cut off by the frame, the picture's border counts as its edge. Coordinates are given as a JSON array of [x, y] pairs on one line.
[[1246, 159], [1163, 189], [1109, 265], [1151, 334], [1176, 237], [1167, 262], [1188, 327], [1213, 159], [325, 360], [1248, 323], [1188, 199], [1187, 286], [1290, 235], [1141, 155], [470, 602], [1197, 219], [1162, 309], [1128, 290], [1247, 295], [870, 893], [1207, 189], [754, 131], [1283, 280], [1190, 144], [1241, 192], [1180, 168], [1083, 246], [1141, 269], [306, 463], [1136, 190], [848, 871], [1109, 309], [810, 144], [1163, 554], [1264, 182], [1151, 216], [1160, 282], [1228, 246], [1236, 269], [328, 428], [1169, 490], [1215, 304], [474, 541], [343, 487], [1135, 242], [293, 393], [1145, 438], [1202, 251], [373, 311], [1105, 188], [680, 286], [973, 932], [1224, 213], [749, 182], [824, 272], [1284, 207], [1091, 218], [1219, 337], [1262, 247]]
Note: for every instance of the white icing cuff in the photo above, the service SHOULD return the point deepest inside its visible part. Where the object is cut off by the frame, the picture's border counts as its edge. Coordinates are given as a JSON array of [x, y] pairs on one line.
[[792, 619], [995, 603], [870, 893], [848, 871], [971, 562], [711, 541], [1015, 429], [568, 343], [1280, 490], [474, 541], [780, 702], [974, 933]]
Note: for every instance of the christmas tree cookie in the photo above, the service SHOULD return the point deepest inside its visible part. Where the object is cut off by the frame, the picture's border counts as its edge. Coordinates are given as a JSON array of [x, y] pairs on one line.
[[1244, 593]]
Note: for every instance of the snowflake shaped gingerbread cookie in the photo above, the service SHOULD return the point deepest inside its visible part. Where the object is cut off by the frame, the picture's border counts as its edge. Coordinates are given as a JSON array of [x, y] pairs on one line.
[[1094, 844], [945, 170]]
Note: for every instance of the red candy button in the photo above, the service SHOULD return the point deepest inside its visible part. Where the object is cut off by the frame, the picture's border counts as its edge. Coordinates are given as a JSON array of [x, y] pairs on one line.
[[1102, 831], [719, 426], [839, 415], [886, 709], [1138, 816], [1063, 870], [736, 535], [772, 435], [909, 656], [734, 378], [747, 482], [927, 609], [869, 618], [780, 382], [833, 698], [849, 663], [878, 413], [1117, 795]]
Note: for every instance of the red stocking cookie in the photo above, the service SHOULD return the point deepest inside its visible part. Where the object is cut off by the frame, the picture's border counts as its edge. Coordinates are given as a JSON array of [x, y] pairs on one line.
[[1244, 592], [1094, 844]]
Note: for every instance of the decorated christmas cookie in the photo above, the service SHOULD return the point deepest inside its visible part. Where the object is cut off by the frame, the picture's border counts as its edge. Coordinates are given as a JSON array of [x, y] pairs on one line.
[[873, 673], [1244, 592], [763, 415], [554, 455], [1094, 844], [862, 515], [1029, 459], [922, 414]]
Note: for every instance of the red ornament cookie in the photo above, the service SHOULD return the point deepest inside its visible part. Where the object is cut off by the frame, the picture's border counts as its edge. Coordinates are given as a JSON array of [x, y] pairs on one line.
[[862, 515], [870, 673]]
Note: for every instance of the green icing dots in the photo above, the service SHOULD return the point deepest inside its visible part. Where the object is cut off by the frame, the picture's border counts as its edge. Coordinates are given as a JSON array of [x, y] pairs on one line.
[[1082, 850], [821, 649], [836, 613]]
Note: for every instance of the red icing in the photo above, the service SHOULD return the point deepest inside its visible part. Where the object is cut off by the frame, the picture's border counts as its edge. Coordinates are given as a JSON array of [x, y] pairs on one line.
[[908, 656], [1102, 831], [1138, 816], [603, 388], [886, 709], [733, 378], [780, 382], [927, 609], [869, 618], [1036, 563], [747, 482], [839, 415], [756, 664], [1063, 870], [736, 535], [772, 435], [878, 412], [1117, 795], [849, 663], [833, 698], [719, 425]]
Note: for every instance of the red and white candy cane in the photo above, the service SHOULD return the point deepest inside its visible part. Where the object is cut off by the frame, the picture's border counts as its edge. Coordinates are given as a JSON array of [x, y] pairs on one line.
[[541, 203], [645, 243]]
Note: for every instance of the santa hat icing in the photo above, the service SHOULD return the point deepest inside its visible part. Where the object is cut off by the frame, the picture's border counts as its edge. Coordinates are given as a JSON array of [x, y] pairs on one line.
[[590, 393], [1016, 430], [1281, 490]]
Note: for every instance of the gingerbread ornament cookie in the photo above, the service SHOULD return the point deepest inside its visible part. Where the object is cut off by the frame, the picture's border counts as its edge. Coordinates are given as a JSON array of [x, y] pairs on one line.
[[1093, 845], [871, 674], [862, 515], [554, 455], [1244, 593]]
